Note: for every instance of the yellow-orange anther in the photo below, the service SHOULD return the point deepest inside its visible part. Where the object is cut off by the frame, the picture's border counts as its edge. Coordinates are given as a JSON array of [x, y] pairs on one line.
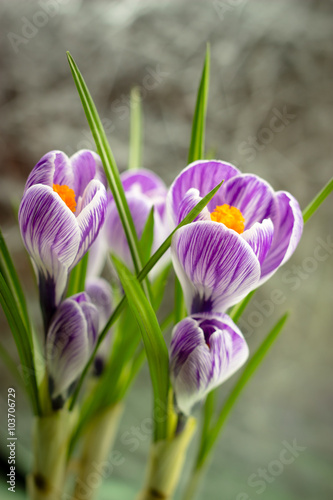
[[67, 195], [229, 216]]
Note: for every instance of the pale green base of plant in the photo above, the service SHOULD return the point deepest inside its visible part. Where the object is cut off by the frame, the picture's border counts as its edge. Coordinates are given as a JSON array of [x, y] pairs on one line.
[[97, 442], [166, 462], [50, 443]]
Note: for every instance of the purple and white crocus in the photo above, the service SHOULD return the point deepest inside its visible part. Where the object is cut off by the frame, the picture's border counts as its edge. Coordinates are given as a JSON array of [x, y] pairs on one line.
[[143, 190], [61, 212], [70, 340], [206, 349], [246, 232]]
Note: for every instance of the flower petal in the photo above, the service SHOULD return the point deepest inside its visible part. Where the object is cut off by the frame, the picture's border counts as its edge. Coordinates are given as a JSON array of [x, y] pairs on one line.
[[100, 294], [260, 238], [288, 227], [190, 200], [67, 346], [140, 207], [86, 166], [206, 349], [145, 182], [253, 196], [203, 175], [215, 265], [50, 233], [43, 172], [91, 216]]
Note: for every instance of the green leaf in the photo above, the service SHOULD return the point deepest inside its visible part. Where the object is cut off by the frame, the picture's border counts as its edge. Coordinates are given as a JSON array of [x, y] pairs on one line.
[[159, 284], [77, 278], [156, 349], [147, 237], [22, 341], [197, 146], [135, 151], [249, 370], [110, 167], [317, 201], [239, 308], [142, 274], [8, 270]]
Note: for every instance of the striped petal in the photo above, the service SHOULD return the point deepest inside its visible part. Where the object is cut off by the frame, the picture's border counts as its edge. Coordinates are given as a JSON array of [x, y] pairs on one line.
[[91, 216], [202, 175], [100, 294], [43, 172], [251, 195], [260, 238], [51, 235], [190, 200], [206, 349], [69, 343], [215, 265], [288, 227], [86, 166]]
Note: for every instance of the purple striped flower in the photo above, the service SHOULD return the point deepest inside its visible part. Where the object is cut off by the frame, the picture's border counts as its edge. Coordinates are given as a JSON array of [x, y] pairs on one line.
[[246, 232], [206, 349], [61, 212], [70, 340], [143, 190], [100, 294]]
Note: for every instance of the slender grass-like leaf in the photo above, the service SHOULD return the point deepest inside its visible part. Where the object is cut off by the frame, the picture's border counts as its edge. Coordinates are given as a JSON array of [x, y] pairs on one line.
[[110, 167], [197, 146], [159, 284], [249, 370], [22, 342], [155, 346], [77, 278], [142, 274], [135, 151], [317, 201], [239, 308], [8, 270], [147, 237]]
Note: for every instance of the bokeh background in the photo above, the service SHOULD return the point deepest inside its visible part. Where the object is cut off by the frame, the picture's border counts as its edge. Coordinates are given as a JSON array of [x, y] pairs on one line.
[[268, 58]]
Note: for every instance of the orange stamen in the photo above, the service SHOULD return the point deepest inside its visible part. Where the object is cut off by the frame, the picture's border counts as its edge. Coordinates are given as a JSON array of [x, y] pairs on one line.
[[67, 195], [229, 216]]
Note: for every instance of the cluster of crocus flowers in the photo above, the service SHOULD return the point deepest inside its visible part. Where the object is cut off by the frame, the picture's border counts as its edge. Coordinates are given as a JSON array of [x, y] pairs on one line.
[[246, 232]]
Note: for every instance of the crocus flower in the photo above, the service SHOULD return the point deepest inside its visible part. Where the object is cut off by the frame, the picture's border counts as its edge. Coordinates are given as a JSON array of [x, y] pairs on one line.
[[206, 349], [70, 340], [61, 212], [100, 294], [246, 232], [143, 190]]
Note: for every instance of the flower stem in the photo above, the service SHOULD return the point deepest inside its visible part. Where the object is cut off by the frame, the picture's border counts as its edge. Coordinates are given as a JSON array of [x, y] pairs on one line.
[[165, 464], [50, 441], [97, 441]]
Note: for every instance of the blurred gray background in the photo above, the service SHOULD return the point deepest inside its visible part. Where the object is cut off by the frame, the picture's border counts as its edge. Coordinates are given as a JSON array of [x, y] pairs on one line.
[[268, 59]]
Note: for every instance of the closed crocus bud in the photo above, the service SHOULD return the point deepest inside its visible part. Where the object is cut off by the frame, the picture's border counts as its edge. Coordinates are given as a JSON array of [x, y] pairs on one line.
[[206, 349], [61, 213], [100, 294], [70, 341]]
